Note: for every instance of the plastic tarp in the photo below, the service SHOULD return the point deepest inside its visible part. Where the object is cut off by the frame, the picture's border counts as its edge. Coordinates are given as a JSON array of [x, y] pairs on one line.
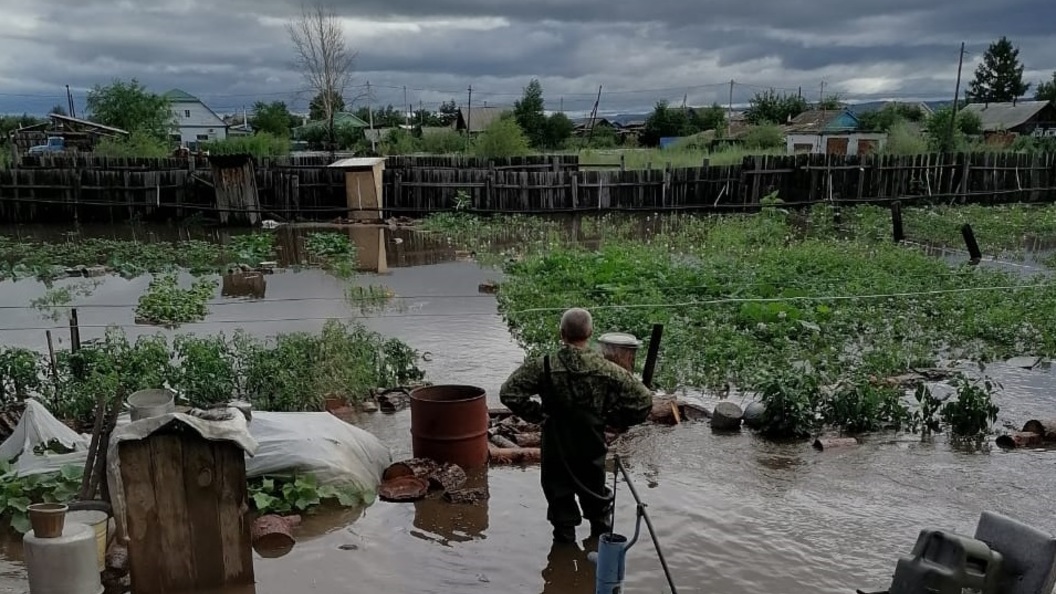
[[37, 427], [318, 444]]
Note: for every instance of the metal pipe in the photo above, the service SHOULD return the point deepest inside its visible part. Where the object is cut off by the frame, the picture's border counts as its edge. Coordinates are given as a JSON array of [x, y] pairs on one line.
[[648, 523]]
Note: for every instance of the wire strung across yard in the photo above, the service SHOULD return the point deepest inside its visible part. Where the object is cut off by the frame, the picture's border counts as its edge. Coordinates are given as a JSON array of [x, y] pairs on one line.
[[512, 313]]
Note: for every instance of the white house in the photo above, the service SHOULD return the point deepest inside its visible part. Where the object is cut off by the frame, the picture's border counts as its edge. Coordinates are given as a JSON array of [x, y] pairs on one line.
[[195, 122], [833, 132]]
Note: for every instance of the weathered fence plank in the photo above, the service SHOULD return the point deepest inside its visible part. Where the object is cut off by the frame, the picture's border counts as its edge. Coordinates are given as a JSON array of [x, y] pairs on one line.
[[77, 188]]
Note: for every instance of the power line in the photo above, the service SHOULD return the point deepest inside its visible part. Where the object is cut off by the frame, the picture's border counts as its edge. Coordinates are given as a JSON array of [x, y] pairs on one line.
[[679, 305]]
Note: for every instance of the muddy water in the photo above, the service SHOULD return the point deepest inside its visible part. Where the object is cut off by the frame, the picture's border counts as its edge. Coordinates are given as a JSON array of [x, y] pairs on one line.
[[733, 513]]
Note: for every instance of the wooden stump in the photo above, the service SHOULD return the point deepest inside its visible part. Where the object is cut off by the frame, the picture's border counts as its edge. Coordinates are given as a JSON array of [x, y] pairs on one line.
[[726, 417]]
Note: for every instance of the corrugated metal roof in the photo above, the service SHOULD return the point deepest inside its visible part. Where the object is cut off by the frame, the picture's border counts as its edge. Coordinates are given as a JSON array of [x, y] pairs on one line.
[[356, 162], [817, 120], [1003, 116]]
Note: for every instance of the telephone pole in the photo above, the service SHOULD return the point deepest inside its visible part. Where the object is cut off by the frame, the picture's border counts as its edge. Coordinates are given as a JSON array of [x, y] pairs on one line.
[[407, 116], [821, 97], [469, 110], [729, 114], [370, 116], [956, 96]]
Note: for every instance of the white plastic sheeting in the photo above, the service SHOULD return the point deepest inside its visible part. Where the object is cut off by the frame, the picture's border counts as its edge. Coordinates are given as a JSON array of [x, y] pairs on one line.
[[319, 444], [37, 427]]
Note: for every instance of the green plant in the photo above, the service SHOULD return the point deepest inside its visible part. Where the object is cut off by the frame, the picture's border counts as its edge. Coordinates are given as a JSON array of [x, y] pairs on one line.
[[166, 304], [21, 371], [18, 493], [502, 138], [973, 412], [858, 405], [443, 142], [298, 494], [206, 374], [253, 248], [261, 144], [764, 137], [334, 251], [791, 398]]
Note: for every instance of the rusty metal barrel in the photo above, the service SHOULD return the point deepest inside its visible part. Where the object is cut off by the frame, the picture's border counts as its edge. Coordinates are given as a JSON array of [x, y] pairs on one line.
[[449, 423]]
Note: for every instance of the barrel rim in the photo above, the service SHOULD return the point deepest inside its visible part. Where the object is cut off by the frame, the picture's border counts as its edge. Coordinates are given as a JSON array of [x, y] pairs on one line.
[[482, 392]]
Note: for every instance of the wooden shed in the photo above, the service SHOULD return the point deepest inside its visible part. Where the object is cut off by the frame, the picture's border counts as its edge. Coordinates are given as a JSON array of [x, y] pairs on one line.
[[235, 182], [185, 507], [363, 187]]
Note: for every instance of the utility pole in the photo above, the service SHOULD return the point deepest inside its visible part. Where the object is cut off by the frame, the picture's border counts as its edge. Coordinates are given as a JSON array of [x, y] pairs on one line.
[[729, 114], [821, 97], [407, 117], [370, 116], [69, 101], [469, 111], [956, 97], [421, 114], [593, 117], [562, 103]]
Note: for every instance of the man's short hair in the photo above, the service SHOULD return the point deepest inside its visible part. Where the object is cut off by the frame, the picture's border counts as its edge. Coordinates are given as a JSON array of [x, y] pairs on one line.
[[576, 324]]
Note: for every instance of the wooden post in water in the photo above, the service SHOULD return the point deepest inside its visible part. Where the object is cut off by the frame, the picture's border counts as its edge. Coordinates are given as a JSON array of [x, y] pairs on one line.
[[75, 332], [651, 356]]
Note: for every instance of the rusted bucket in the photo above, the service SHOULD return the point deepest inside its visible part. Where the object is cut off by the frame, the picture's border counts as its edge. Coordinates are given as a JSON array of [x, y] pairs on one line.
[[620, 348], [449, 423]]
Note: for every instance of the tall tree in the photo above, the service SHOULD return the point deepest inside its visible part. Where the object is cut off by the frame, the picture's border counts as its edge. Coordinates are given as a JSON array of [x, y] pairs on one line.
[[448, 112], [831, 103], [323, 58], [769, 107], [999, 78], [131, 107], [665, 122], [317, 108], [558, 130], [703, 119], [1046, 90], [530, 115], [273, 118]]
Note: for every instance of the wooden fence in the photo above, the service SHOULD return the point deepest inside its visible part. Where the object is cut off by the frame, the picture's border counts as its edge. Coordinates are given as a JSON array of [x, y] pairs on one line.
[[291, 189]]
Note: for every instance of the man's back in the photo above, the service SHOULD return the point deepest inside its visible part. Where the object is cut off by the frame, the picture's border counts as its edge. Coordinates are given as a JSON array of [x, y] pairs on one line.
[[583, 382]]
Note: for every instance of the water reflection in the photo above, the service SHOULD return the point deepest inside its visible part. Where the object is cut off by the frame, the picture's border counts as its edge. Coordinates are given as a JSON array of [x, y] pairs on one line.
[[441, 521], [568, 570]]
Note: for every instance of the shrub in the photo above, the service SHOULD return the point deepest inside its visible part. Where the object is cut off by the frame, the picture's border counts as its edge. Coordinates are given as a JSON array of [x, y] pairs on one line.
[[764, 137], [258, 145], [503, 138], [443, 143], [902, 140], [137, 144]]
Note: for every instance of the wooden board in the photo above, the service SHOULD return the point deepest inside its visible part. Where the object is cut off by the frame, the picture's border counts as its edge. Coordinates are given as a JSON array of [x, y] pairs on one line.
[[186, 498]]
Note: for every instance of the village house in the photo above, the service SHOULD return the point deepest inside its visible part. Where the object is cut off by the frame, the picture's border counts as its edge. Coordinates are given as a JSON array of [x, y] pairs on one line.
[[477, 119], [1003, 122], [195, 122], [833, 132]]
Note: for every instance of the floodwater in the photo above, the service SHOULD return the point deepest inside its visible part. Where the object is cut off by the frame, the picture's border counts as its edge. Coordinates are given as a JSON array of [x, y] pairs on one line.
[[733, 513]]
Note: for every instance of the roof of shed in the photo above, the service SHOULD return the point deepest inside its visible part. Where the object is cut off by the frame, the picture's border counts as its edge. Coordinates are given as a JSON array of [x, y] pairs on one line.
[[480, 118], [356, 162], [1002, 116], [817, 120]]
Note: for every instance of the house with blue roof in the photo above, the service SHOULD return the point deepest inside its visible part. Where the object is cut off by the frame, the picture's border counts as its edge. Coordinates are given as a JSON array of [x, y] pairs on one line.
[[195, 122]]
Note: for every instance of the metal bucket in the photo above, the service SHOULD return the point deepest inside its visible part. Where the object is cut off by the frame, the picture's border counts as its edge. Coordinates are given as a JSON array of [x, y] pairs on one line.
[[449, 423], [97, 521], [620, 348], [151, 403]]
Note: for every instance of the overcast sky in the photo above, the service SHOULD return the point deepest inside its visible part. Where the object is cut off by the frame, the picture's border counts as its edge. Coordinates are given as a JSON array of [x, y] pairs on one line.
[[231, 53]]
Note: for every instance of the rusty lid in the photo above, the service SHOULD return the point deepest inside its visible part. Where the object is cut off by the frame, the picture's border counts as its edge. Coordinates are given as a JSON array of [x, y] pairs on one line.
[[403, 488], [620, 339]]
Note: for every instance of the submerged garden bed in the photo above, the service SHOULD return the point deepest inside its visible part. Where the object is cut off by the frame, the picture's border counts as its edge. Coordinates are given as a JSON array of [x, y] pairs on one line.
[[808, 311]]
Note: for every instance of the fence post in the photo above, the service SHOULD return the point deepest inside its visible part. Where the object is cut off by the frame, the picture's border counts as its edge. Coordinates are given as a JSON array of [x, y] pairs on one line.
[[896, 222], [397, 201], [973, 246], [489, 181], [575, 190], [623, 162]]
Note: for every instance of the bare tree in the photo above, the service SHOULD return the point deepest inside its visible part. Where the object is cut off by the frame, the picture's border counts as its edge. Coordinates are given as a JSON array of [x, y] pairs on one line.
[[323, 57]]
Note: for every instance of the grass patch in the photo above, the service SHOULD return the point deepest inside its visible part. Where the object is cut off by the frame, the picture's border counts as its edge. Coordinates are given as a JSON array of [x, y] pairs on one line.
[[167, 304]]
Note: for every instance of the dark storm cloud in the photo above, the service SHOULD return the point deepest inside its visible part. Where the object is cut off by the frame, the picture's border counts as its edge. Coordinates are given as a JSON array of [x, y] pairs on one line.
[[232, 52]]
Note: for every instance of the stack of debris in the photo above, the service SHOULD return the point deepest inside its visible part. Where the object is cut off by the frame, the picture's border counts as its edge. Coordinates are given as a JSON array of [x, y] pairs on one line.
[[412, 480]]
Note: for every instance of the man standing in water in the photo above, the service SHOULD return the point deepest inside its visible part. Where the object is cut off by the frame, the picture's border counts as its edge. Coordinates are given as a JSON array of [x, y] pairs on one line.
[[580, 393]]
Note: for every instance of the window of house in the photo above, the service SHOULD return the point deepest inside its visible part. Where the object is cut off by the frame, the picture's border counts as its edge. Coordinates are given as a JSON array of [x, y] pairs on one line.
[[203, 137], [186, 113]]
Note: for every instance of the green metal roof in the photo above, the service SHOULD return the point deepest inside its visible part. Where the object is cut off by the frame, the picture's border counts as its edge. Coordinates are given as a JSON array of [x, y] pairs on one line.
[[181, 96]]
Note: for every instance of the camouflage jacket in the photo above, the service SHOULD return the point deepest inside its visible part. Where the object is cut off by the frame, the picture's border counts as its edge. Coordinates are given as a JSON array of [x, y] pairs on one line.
[[583, 381]]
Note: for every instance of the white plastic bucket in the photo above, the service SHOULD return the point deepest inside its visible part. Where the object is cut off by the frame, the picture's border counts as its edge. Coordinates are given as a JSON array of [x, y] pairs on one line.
[[151, 403], [97, 521]]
